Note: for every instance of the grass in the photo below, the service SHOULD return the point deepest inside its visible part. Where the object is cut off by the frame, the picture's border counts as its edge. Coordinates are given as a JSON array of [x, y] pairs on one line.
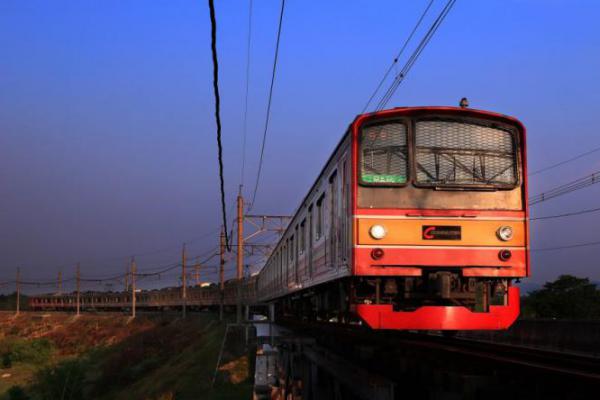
[[99, 357]]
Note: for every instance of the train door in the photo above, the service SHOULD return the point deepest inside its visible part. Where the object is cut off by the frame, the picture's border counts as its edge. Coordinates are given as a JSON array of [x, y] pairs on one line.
[[310, 241], [344, 215], [333, 220], [296, 256]]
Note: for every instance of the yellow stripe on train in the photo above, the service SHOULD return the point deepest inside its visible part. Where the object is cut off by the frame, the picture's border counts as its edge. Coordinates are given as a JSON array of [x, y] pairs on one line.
[[435, 232]]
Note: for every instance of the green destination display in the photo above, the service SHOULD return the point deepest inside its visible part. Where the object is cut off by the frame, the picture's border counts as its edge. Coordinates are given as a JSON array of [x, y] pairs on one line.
[[374, 178]]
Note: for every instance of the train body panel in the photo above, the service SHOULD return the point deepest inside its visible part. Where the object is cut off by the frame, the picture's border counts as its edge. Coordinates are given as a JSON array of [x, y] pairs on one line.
[[441, 183]]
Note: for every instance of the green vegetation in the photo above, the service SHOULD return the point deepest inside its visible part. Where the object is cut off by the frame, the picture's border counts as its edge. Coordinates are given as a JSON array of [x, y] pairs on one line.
[[568, 297], [110, 357], [9, 302], [37, 351]]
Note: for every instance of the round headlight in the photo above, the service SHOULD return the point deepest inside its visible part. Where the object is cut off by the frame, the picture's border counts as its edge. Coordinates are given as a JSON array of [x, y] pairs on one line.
[[505, 233], [377, 232]]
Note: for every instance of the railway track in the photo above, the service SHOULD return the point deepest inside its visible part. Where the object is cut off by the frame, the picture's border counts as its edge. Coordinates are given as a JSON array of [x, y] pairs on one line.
[[545, 361], [418, 362]]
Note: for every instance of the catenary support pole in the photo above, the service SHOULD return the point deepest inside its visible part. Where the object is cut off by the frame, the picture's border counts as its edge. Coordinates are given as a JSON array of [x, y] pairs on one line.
[[133, 294], [18, 289], [221, 273], [240, 255], [59, 283], [183, 283], [78, 286]]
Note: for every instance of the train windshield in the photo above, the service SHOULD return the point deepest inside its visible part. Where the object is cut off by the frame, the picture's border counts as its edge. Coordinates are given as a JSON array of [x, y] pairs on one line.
[[463, 154], [384, 154]]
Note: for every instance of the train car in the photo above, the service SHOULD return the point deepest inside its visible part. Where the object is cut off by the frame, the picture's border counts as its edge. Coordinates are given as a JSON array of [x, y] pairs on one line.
[[155, 299], [418, 221]]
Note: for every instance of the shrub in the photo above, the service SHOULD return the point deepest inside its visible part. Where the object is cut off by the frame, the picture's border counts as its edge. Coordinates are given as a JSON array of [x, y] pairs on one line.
[[6, 361], [17, 393], [37, 351], [63, 381]]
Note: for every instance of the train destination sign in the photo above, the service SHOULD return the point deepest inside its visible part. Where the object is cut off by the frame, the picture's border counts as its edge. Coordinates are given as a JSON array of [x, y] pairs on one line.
[[431, 232]]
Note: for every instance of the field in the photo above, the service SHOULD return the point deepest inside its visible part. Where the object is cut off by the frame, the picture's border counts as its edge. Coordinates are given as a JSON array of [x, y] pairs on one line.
[[59, 356]]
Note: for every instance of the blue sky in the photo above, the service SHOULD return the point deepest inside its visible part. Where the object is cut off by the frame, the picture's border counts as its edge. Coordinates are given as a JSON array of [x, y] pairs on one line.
[[107, 136]]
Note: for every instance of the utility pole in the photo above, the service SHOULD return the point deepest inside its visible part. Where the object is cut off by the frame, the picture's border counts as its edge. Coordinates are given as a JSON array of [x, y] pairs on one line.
[[240, 254], [18, 283], [78, 278], [133, 297], [127, 272], [197, 273], [183, 282], [221, 273], [59, 283]]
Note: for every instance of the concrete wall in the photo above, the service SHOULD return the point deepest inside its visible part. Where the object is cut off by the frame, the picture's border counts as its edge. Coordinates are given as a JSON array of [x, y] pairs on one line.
[[561, 335]]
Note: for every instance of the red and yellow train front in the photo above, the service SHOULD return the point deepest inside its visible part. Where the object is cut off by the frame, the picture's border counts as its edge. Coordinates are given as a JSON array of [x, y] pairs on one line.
[[440, 218]]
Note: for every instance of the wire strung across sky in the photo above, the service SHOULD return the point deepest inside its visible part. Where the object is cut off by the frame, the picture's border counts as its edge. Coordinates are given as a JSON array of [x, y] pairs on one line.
[[569, 246], [268, 115], [213, 36], [415, 55], [566, 188], [395, 61], [569, 214], [245, 124], [558, 164]]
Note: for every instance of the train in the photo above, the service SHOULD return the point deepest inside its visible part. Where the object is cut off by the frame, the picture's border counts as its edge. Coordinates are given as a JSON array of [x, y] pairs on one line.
[[417, 221]]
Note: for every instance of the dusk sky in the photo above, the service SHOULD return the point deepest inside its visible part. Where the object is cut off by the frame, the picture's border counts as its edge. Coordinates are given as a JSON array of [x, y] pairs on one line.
[[107, 132]]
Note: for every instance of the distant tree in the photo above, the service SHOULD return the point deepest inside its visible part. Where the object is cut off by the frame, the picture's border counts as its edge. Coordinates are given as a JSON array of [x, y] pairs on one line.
[[8, 302], [568, 297], [6, 360], [17, 393]]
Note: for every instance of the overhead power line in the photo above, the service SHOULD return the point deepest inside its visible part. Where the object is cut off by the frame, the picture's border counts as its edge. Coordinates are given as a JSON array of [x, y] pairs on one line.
[[245, 129], [566, 188], [415, 55], [213, 45], [395, 61], [268, 115], [577, 157], [571, 246], [569, 214]]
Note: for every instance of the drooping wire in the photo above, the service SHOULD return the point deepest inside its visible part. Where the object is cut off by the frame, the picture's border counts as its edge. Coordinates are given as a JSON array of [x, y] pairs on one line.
[[268, 115], [569, 214], [245, 128], [577, 157], [415, 55], [566, 188], [213, 36], [395, 61], [570, 246]]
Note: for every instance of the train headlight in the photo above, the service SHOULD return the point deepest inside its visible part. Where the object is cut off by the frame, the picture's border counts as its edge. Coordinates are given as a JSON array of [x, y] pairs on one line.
[[505, 233], [378, 232]]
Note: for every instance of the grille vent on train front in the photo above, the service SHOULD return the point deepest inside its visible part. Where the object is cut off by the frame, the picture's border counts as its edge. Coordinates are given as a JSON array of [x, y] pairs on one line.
[[462, 153], [384, 153]]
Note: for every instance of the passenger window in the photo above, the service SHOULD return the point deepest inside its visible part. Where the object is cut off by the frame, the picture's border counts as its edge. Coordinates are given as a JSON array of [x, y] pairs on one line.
[[320, 211]]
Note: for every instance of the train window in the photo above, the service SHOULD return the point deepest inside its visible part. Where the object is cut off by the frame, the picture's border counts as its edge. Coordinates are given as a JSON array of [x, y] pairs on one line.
[[384, 154], [464, 153], [302, 236], [319, 227]]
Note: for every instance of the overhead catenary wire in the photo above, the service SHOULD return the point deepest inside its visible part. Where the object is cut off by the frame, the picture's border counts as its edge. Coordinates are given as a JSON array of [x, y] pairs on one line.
[[569, 214], [215, 60], [569, 160], [245, 124], [415, 55], [268, 114], [395, 61], [569, 246], [577, 184]]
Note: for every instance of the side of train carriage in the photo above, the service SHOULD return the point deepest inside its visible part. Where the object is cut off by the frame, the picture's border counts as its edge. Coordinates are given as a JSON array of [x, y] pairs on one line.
[[197, 297], [418, 220]]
